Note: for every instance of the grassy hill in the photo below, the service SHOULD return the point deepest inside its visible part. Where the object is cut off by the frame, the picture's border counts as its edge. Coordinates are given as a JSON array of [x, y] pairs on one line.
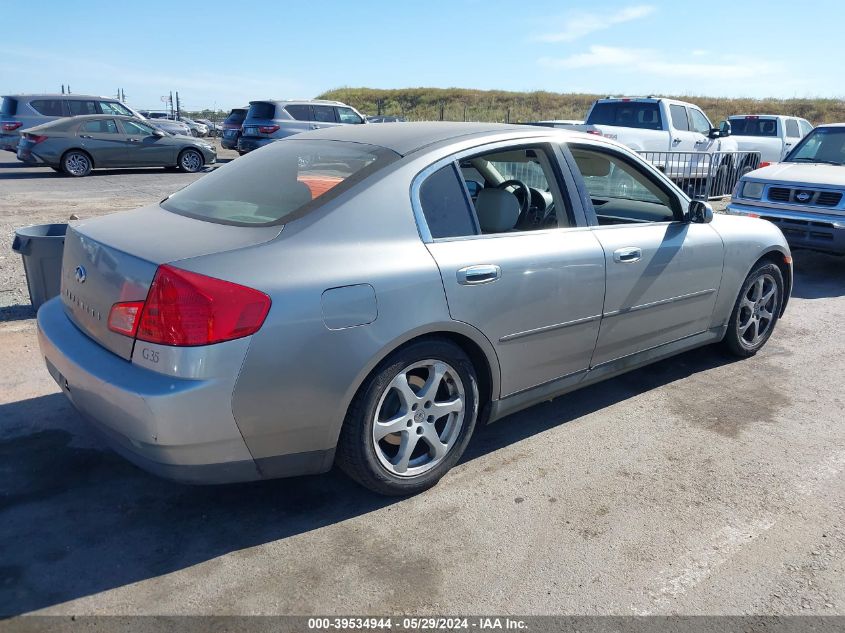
[[459, 104]]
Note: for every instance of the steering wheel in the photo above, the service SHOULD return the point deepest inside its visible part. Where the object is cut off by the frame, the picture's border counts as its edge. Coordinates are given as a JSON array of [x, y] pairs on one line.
[[526, 197]]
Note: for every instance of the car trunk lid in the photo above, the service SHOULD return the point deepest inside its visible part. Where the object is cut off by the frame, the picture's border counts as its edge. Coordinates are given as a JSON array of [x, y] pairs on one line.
[[114, 259]]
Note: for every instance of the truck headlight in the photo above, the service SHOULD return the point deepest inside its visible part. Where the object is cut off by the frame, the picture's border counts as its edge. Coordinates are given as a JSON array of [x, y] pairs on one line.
[[753, 190]]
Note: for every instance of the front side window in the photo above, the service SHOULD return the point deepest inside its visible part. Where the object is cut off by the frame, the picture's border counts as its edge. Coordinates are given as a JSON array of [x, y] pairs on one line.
[[300, 112], [324, 114], [348, 115], [699, 122], [112, 107], [134, 127], [105, 126], [792, 128], [284, 181], [445, 206], [822, 145], [679, 117], [622, 191], [78, 108], [48, 107]]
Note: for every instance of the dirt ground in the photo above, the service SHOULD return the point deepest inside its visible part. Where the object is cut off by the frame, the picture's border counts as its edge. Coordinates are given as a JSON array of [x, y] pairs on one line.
[[698, 485]]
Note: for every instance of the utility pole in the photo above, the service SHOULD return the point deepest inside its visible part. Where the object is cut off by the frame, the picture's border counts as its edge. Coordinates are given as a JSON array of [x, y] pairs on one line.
[[63, 88], [178, 108], [171, 103]]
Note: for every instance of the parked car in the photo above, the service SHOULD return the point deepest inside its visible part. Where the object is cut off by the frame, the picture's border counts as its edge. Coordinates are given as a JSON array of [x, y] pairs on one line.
[[197, 129], [772, 135], [172, 127], [270, 120], [560, 123], [804, 195], [194, 128], [21, 112], [77, 145], [213, 128], [202, 334], [232, 128], [382, 118]]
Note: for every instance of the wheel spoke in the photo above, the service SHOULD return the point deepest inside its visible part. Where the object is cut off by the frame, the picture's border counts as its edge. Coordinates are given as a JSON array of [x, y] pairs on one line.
[[757, 289], [765, 314], [439, 409], [744, 328], [768, 296], [435, 377], [756, 331], [394, 425], [403, 455], [404, 391], [438, 448]]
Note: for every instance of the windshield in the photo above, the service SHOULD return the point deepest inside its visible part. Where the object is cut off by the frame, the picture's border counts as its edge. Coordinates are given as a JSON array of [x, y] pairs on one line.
[[822, 145], [278, 183], [753, 126]]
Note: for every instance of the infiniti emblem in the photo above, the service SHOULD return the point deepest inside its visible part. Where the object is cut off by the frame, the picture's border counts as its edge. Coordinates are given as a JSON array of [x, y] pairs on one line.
[[80, 274]]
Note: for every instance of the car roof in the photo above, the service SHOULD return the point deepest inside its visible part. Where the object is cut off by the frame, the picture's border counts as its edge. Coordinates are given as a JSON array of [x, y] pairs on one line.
[[411, 137], [300, 101], [831, 125], [58, 95]]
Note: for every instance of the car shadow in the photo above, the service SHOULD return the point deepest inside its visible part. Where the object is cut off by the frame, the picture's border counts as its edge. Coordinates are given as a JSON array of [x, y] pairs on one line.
[[818, 275], [16, 313], [46, 172], [76, 519]]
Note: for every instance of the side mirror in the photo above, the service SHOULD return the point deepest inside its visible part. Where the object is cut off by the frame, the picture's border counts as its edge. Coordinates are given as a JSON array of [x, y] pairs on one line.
[[724, 128], [158, 133], [699, 212], [715, 132]]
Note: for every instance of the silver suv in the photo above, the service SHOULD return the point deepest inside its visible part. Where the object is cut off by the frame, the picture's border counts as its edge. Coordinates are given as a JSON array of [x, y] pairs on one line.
[[20, 112], [269, 120]]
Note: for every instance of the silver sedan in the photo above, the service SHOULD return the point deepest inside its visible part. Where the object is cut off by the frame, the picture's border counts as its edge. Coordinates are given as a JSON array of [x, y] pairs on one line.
[[367, 295]]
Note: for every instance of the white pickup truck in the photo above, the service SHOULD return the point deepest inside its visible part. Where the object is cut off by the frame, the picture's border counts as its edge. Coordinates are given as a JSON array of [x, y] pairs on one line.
[[772, 135], [653, 124]]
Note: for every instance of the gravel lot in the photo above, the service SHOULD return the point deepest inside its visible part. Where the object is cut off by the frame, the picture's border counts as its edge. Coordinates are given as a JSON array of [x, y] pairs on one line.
[[699, 485]]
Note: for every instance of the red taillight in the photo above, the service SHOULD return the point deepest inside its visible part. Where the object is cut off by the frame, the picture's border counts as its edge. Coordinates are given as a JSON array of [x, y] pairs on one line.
[[765, 163], [35, 138], [596, 132], [185, 308], [11, 126], [268, 129], [124, 317]]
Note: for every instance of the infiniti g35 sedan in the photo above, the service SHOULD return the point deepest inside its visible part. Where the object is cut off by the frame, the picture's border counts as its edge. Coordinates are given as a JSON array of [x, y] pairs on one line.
[[77, 145], [367, 295]]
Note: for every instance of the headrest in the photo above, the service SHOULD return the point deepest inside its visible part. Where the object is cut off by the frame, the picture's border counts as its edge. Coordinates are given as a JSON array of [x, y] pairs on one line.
[[591, 164], [497, 210]]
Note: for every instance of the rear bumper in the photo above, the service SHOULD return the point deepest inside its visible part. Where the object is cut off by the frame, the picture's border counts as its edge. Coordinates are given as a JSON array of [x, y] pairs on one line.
[[9, 142], [816, 231], [175, 428], [249, 143]]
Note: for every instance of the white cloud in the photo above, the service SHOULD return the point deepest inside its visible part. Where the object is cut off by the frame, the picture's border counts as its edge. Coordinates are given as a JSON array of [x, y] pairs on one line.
[[652, 62], [578, 25]]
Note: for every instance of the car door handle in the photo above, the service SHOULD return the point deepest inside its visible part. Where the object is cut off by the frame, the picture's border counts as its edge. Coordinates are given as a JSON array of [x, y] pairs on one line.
[[132, 140], [675, 141], [481, 274], [85, 136], [627, 255]]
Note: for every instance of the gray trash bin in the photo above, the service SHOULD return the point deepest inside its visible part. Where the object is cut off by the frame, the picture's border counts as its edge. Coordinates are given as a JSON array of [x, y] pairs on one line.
[[41, 247]]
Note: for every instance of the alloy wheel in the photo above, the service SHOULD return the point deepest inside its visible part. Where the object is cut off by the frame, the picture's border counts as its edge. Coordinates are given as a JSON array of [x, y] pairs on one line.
[[77, 164], [757, 310], [418, 418]]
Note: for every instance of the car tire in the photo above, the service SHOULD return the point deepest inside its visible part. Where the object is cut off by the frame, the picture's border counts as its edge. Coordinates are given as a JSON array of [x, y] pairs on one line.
[[191, 161], [756, 311], [393, 417], [77, 163]]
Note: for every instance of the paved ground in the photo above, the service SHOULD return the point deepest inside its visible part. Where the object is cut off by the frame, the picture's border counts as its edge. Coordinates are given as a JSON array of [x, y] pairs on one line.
[[696, 486]]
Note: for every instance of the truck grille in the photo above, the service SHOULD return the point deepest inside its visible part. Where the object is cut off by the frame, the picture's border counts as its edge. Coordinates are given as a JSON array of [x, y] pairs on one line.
[[808, 197]]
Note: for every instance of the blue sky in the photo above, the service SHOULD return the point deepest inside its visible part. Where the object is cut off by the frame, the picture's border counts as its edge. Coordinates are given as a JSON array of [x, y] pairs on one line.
[[230, 52]]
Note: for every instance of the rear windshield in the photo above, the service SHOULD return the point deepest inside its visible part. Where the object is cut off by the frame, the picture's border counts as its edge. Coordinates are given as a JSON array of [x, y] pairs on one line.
[[236, 117], [262, 110], [9, 107], [753, 126], [638, 114], [278, 183]]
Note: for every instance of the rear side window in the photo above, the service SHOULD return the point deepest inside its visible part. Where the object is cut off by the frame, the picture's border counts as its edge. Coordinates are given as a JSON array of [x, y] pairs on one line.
[[679, 117], [236, 117], [9, 107], [348, 115], [639, 114], [300, 112], [77, 108], [262, 110], [282, 182], [806, 127], [48, 107], [754, 126], [106, 126], [324, 114], [444, 204], [112, 107], [792, 128]]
